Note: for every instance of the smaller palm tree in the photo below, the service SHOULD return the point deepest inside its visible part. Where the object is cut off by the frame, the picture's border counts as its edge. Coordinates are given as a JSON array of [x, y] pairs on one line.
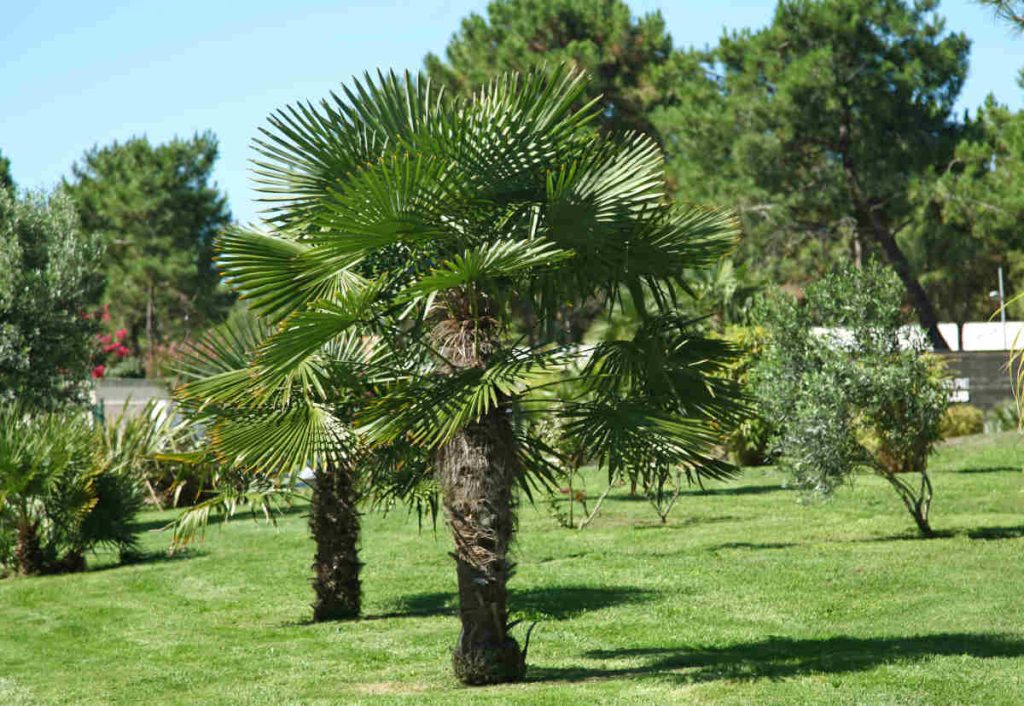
[[62, 490], [264, 444]]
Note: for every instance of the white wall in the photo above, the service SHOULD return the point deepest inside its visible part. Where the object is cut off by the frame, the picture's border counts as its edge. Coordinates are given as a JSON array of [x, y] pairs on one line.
[[985, 335]]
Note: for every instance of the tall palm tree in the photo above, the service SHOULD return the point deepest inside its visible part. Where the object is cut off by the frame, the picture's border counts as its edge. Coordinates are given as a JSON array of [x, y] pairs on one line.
[[452, 238]]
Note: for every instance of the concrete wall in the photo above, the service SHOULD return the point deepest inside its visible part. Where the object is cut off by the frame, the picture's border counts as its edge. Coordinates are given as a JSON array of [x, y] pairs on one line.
[[115, 393]]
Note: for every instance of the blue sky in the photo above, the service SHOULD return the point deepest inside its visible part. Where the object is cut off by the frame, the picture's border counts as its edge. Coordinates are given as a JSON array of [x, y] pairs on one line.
[[74, 74]]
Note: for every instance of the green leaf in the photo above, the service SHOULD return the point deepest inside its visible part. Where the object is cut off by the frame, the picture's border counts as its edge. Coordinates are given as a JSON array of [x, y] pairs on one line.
[[278, 276]]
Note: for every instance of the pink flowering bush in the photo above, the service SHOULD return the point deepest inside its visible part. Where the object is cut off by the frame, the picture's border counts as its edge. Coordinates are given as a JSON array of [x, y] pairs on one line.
[[111, 353]]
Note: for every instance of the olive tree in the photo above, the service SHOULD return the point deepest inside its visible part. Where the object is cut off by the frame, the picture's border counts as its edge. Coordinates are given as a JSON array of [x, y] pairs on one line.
[[847, 387]]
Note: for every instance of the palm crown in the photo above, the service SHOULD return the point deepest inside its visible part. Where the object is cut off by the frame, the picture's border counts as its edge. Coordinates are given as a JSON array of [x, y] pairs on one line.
[[434, 232]]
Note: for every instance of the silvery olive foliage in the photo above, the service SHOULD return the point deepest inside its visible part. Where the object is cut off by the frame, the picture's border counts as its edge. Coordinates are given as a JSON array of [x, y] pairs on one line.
[[49, 278], [847, 386]]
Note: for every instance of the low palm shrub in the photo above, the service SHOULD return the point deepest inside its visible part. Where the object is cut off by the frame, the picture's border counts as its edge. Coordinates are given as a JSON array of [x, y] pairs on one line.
[[63, 493], [1004, 416]]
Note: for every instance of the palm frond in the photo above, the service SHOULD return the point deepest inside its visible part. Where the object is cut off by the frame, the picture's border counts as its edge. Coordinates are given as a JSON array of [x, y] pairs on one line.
[[282, 441], [672, 367], [308, 151], [625, 435], [431, 409], [277, 275], [259, 496], [488, 262]]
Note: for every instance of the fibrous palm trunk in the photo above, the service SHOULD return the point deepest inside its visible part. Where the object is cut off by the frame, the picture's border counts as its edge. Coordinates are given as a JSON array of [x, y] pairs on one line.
[[476, 471], [28, 551], [334, 524]]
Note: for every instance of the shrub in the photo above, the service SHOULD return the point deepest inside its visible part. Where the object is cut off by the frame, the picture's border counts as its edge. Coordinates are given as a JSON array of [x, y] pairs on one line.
[[859, 393], [748, 442], [49, 278], [62, 494], [961, 420], [157, 444], [1005, 416]]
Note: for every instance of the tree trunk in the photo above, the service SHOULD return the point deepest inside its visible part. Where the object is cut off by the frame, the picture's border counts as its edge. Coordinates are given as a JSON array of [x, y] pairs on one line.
[[917, 503], [28, 552], [72, 563], [870, 221], [918, 297], [334, 524], [857, 250], [476, 471]]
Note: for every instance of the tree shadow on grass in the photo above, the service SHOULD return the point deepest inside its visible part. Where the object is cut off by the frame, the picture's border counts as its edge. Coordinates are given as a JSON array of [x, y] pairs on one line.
[[991, 469], [907, 536], [146, 558], [729, 491], [738, 490], [751, 545], [996, 532], [983, 533], [216, 518], [549, 603], [780, 658], [687, 522], [150, 525]]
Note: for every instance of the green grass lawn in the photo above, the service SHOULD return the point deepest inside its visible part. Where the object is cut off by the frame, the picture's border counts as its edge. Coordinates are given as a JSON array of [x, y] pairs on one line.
[[746, 596]]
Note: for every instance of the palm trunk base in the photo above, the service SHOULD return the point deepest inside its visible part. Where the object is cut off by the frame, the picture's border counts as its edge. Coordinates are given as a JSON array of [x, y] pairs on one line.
[[480, 664], [334, 524], [72, 563], [476, 471], [336, 599], [28, 552]]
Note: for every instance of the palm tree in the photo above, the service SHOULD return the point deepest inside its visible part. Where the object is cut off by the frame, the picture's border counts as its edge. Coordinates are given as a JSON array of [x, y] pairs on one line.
[[265, 444], [36, 452], [65, 489], [449, 240]]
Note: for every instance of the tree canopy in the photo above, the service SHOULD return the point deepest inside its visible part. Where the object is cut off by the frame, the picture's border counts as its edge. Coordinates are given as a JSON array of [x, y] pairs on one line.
[[1011, 11], [157, 210], [50, 280], [967, 215], [817, 126], [630, 58], [6, 180]]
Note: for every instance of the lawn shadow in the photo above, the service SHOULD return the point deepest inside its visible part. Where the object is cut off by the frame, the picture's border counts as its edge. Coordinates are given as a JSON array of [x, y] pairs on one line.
[[738, 490], [991, 469], [688, 522], [551, 603], [907, 536], [781, 658], [150, 525], [751, 545], [144, 558], [730, 490], [996, 532], [216, 518]]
